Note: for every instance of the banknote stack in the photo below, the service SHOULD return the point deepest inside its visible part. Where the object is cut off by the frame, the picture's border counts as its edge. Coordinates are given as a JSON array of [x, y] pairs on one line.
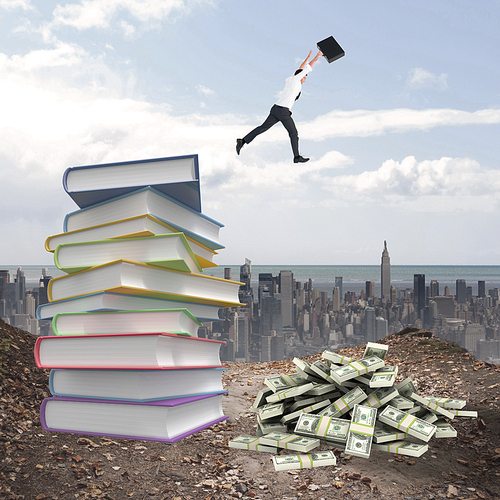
[[353, 405]]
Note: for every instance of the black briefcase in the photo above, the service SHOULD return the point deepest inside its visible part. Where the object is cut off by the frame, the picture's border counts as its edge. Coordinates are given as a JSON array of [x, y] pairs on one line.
[[331, 49]]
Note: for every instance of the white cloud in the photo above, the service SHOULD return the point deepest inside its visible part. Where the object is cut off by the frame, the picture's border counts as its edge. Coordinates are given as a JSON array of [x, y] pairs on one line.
[[365, 123], [205, 90], [100, 13], [16, 4], [447, 184], [419, 78]]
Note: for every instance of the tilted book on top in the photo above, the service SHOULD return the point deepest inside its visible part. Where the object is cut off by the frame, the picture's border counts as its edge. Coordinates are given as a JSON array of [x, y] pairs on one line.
[[149, 201], [177, 176], [133, 227], [168, 420], [135, 278]]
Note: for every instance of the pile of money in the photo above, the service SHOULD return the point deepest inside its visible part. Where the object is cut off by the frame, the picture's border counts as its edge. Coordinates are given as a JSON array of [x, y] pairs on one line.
[[351, 405]]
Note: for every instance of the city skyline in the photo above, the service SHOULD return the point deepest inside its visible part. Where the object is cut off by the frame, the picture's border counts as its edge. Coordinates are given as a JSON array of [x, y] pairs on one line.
[[401, 131]]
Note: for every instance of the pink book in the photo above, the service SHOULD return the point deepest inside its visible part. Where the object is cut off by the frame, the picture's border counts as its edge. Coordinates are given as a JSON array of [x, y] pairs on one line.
[[145, 351]]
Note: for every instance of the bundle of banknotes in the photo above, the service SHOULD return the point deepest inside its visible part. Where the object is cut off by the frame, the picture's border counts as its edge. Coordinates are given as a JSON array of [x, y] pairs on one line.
[[351, 405]]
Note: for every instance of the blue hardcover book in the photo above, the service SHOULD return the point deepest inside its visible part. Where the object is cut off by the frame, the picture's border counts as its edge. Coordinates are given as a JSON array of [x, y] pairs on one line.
[[177, 176], [109, 301], [136, 385], [149, 200]]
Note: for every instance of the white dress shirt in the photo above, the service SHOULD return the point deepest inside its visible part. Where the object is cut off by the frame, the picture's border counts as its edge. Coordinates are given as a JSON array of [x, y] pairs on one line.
[[292, 88]]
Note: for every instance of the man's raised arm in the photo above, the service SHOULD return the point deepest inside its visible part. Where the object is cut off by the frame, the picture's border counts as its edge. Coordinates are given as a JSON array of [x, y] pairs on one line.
[[313, 62]]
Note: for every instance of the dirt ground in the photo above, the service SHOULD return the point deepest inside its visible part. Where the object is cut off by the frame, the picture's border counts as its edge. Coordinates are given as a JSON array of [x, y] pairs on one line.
[[39, 465]]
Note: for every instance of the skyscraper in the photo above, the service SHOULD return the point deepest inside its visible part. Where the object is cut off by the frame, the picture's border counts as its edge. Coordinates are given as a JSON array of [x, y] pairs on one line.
[[286, 292], [370, 289], [246, 276], [385, 274], [461, 292], [434, 288], [419, 294], [481, 288], [338, 284]]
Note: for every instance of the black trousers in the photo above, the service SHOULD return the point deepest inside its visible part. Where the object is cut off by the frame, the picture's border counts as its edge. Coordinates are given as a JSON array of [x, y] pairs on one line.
[[277, 114]]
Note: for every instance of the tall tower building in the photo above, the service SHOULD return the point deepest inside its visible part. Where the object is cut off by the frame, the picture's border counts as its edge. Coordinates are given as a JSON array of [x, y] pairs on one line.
[[481, 288], [246, 276], [338, 284], [461, 292], [419, 294], [370, 289], [385, 274], [434, 288], [286, 293]]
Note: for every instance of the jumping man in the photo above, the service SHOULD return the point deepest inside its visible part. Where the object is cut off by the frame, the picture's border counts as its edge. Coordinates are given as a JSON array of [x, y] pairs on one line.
[[281, 111]]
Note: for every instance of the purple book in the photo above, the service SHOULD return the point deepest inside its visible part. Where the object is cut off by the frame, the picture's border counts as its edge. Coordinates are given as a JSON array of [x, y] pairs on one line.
[[166, 421]]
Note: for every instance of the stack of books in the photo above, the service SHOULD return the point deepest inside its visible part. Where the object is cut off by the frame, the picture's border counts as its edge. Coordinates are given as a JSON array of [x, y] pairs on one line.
[[125, 357]]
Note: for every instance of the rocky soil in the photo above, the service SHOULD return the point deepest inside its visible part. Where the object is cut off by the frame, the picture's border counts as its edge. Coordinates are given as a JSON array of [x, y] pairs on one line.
[[39, 465]]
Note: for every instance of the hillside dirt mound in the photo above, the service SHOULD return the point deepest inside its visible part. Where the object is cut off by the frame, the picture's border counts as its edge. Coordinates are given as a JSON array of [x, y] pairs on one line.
[[40, 465]]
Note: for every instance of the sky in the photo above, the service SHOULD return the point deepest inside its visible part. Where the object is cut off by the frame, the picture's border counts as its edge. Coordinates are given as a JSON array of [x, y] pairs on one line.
[[402, 133]]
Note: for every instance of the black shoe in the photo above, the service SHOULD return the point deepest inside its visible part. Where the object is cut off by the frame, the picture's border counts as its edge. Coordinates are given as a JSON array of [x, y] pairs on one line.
[[239, 145], [300, 159]]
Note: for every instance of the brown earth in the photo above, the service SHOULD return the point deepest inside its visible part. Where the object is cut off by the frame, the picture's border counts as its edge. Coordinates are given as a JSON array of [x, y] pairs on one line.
[[39, 465]]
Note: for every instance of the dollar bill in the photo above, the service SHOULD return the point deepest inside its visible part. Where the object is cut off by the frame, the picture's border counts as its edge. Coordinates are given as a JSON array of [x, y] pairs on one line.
[[266, 426], [360, 437], [321, 370], [406, 387], [332, 430], [336, 358], [401, 403], [385, 434], [284, 381], [271, 410], [290, 441], [385, 377], [449, 404], [373, 349], [307, 461], [381, 396], [260, 399], [304, 368], [251, 443], [320, 389], [344, 403], [291, 417], [434, 407], [405, 422], [403, 448], [428, 416], [464, 413], [356, 368], [301, 403], [444, 429], [289, 393]]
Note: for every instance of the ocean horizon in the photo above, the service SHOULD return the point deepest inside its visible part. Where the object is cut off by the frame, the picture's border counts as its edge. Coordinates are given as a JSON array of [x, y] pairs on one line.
[[323, 276]]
